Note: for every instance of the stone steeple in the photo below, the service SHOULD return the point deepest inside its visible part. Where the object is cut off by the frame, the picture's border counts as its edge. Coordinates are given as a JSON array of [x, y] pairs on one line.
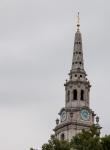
[[77, 77], [76, 114], [77, 61]]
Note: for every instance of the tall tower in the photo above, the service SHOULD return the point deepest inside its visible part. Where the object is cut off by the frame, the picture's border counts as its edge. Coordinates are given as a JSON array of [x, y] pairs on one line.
[[76, 114]]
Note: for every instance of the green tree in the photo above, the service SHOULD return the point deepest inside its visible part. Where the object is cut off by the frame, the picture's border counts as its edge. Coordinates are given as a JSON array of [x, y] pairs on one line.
[[87, 140], [55, 144], [106, 142]]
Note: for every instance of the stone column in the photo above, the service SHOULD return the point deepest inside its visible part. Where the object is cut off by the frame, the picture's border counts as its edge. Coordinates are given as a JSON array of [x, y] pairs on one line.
[[88, 98], [71, 97], [78, 97], [65, 98], [85, 97]]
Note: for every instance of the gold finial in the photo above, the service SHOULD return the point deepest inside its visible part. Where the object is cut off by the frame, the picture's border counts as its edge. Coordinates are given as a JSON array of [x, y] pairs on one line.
[[78, 24]]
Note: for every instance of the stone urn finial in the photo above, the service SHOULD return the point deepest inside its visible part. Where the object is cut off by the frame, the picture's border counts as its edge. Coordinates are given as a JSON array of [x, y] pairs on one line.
[[97, 119], [57, 121]]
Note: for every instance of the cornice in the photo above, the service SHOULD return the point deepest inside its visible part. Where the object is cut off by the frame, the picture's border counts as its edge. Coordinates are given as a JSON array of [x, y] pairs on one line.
[[78, 81], [77, 71], [74, 109], [68, 124]]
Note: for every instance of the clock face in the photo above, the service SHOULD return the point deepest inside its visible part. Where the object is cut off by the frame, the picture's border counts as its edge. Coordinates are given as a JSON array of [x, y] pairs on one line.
[[85, 115], [63, 115]]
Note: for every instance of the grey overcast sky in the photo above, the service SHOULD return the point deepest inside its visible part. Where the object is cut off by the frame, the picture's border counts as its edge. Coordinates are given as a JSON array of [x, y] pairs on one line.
[[36, 44]]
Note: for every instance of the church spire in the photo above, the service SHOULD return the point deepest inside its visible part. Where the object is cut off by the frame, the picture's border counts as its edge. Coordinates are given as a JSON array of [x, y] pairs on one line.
[[77, 61]]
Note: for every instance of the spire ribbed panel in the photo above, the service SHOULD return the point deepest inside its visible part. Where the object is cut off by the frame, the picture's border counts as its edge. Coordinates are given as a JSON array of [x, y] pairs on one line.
[[77, 61]]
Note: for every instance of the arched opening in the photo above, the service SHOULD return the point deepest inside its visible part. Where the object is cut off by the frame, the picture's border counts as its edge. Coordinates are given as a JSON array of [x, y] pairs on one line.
[[75, 94], [76, 62], [62, 136], [68, 96], [82, 95]]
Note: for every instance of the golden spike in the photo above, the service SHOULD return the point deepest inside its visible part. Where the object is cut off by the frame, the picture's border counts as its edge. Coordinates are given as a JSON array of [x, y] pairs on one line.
[[78, 24]]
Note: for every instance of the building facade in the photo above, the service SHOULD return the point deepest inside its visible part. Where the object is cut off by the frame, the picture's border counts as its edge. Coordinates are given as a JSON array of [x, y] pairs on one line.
[[76, 114]]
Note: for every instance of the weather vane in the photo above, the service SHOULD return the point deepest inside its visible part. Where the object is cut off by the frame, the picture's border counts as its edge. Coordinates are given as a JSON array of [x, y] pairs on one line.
[[78, 24]]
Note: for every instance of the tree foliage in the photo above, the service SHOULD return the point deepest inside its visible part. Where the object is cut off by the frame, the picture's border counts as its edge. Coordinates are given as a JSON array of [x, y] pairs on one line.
[[86, 140], [32, 149], [55, 144], [105, 141]]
